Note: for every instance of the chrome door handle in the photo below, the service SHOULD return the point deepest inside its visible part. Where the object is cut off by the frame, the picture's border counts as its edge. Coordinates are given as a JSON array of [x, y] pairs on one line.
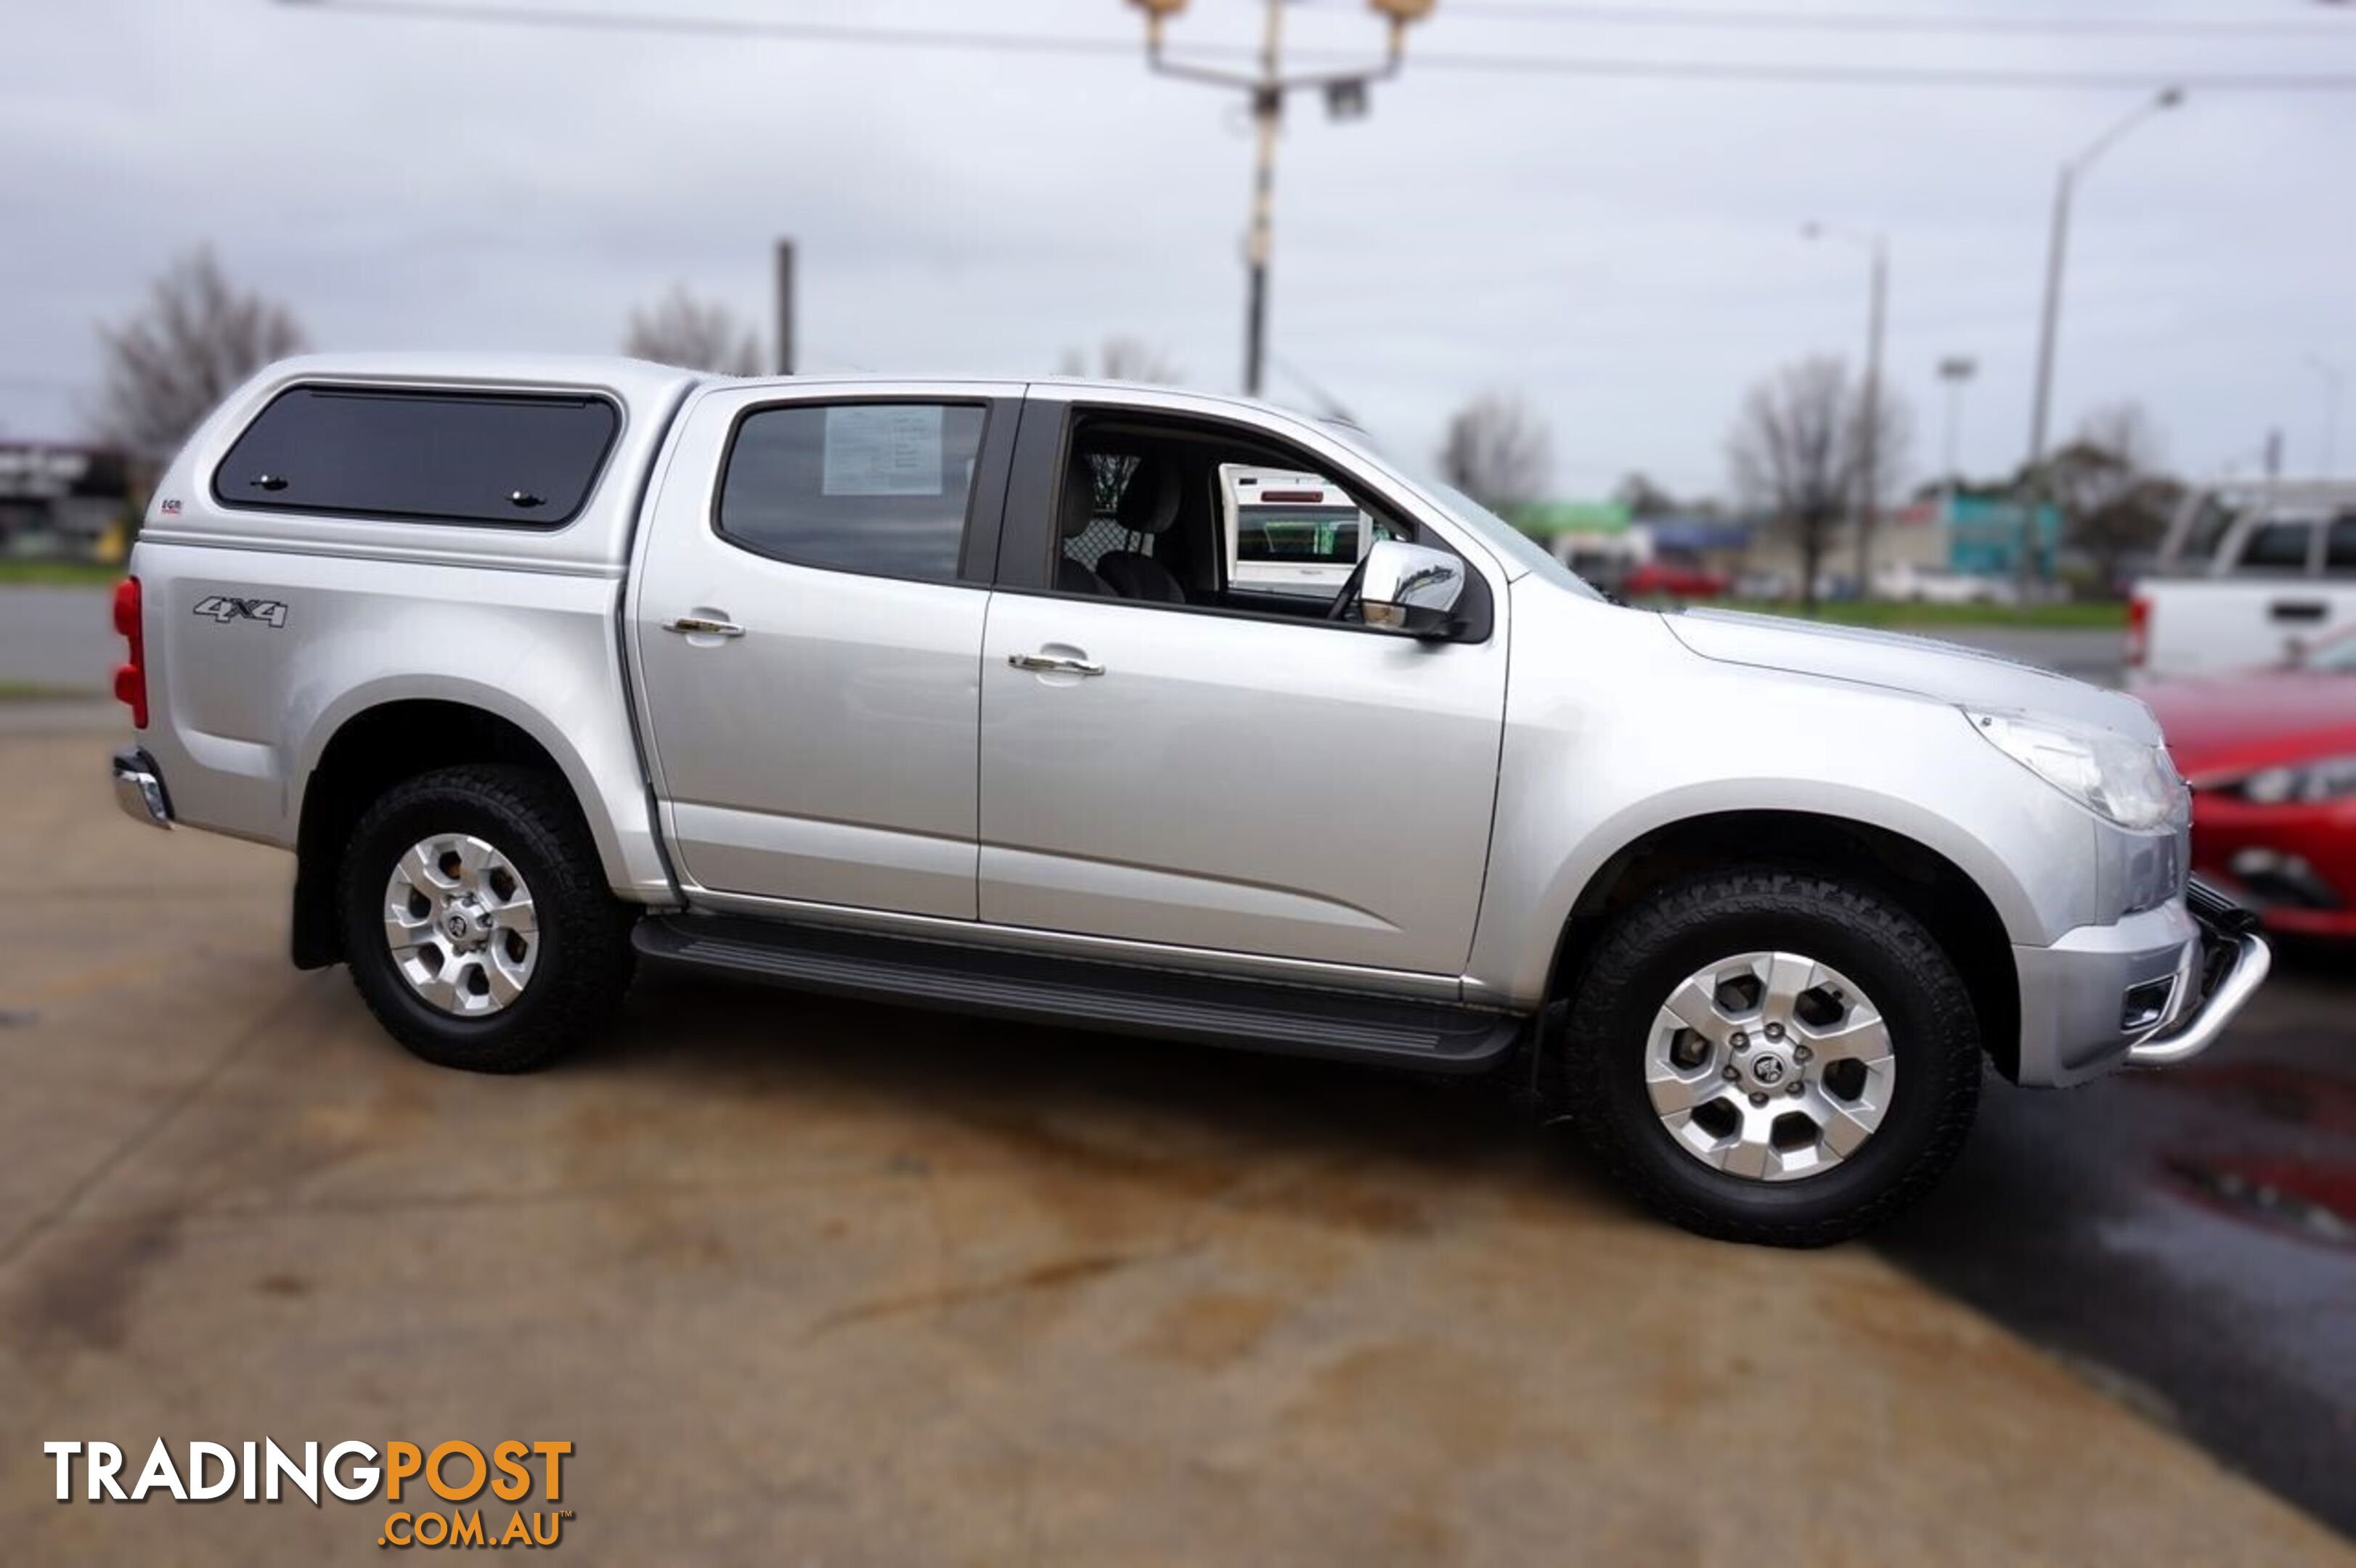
[[702, 626], [1052, 664]]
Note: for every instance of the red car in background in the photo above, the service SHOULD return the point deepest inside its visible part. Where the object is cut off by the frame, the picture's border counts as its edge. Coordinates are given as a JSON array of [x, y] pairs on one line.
[[2272, 757], [1662, 579]]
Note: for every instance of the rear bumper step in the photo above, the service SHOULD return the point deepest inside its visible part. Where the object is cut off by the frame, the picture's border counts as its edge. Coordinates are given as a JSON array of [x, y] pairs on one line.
[[1122, 999]]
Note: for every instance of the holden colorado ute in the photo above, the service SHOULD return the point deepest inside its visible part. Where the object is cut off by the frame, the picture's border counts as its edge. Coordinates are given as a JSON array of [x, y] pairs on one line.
[[954, 694]]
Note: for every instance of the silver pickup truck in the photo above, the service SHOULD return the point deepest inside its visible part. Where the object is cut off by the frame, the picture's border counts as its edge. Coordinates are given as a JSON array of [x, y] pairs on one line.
[[946, 693]]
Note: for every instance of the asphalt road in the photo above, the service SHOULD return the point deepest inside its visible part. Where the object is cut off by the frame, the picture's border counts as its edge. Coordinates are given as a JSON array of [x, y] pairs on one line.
[[58, 639], [812, 1282], [2188, 1237]]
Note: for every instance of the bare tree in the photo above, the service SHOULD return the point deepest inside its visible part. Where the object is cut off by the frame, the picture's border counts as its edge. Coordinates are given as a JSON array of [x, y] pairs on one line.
[[1643, 498], [1124, 359], [1796, 451], [698, 334], [2109, 481], [1497, 451], [171, 362]]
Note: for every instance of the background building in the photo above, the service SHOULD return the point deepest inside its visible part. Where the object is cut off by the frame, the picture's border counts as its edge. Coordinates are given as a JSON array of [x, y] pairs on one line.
[[62, 501]]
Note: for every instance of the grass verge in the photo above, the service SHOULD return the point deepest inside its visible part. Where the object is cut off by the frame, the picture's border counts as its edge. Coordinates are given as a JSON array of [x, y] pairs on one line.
[[40, 691], [59, 574]]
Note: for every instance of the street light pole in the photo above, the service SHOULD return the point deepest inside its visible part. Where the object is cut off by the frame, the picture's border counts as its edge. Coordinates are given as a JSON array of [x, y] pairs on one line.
[[1955, 369], [2050, 322], [1869, 477], [1267, 88], [2333, 383], [1868, 501]]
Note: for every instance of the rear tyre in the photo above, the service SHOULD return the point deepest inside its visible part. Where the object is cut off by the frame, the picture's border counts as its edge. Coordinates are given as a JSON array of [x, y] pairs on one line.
[[478, 922], [1772, 1056]]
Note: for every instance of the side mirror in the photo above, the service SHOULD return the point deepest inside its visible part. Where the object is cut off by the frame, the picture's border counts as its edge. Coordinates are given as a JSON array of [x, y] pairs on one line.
[[1410, 589]]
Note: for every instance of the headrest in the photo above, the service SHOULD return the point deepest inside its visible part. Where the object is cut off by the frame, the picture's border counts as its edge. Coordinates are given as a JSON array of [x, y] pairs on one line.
[[1079, 503], [1149, 502]]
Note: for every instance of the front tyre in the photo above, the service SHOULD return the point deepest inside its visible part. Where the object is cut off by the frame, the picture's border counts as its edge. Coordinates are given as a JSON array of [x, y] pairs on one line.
[[1772, 1056], [477, 920]]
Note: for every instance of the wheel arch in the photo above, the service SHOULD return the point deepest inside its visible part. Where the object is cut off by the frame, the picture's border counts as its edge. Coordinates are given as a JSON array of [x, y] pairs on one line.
[[376, 744], [1950, 902]]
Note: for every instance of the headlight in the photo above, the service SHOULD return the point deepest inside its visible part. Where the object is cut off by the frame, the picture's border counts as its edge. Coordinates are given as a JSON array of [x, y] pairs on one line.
[[2327, 779], [2131, 783]]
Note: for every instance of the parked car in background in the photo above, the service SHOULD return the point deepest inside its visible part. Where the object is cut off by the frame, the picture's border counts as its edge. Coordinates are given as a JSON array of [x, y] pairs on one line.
[[2246, 579], [1664, 578], [2272, 757], [1773, 586], [1936, 585]]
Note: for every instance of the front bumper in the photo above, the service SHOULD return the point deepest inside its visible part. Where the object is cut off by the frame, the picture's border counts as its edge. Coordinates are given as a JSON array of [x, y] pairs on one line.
[[139, 788], [2203, 953]]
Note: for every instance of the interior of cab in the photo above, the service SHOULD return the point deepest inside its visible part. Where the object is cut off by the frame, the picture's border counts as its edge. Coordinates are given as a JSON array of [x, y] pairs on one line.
[[1165, 513]]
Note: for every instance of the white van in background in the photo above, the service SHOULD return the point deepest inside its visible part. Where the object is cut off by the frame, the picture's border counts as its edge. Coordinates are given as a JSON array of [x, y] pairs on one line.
[[2250, 575], [1287, 531]]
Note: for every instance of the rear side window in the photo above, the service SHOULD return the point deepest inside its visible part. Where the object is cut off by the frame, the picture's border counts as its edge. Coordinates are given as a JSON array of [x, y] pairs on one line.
[[876, 488], [2277, 546], [438, 457]]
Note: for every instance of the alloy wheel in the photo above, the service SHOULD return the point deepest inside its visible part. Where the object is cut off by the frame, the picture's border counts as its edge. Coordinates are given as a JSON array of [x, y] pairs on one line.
[[460, 924], [1769, 1066]]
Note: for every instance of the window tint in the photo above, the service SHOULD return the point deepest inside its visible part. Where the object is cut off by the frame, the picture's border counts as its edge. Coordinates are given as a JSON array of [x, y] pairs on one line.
[[2339, 546], [878, 488], [450, 457], [2277, 546]]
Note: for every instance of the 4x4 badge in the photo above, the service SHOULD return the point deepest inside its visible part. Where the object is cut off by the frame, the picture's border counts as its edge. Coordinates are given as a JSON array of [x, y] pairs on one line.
[[223, 609]]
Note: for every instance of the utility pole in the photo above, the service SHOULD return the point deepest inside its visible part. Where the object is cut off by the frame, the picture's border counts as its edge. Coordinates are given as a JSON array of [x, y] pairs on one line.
[[1266, 89], [2334, 383], [2050, 322], [1267, 114], [784, 308]]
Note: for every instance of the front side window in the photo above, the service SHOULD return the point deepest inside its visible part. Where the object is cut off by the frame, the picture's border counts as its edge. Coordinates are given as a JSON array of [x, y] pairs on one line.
[[428, 456], [876, 488]]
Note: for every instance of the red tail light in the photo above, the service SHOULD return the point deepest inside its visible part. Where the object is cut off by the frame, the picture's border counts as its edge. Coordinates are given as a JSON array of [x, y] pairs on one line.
[[131, 677], [2138, 631]]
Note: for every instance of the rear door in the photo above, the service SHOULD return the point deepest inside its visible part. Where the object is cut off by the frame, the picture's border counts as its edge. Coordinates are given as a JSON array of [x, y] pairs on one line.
[[806, 617]]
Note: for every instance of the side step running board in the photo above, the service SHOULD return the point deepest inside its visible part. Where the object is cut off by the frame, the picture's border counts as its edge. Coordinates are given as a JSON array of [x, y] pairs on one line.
[[1033, 988]]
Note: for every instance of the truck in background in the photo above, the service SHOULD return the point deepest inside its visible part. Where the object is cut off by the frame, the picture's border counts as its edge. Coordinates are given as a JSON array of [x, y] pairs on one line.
[[2249, 577]]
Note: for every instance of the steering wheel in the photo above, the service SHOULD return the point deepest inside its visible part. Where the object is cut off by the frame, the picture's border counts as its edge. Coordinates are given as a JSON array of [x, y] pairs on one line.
[[1340, 609]]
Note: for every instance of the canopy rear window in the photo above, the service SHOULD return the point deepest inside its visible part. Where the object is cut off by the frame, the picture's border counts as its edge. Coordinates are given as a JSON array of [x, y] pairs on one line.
[[438, 457]]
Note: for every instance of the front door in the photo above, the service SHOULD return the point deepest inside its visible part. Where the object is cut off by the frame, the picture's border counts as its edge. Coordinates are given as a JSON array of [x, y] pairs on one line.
[[808, 620], [1175, 768]]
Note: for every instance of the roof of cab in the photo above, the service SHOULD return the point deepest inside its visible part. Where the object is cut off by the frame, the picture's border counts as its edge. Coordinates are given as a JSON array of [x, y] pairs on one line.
[[633, 379], [638, 379]]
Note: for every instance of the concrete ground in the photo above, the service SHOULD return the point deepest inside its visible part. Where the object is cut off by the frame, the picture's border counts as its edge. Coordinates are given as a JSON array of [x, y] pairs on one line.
[[810, 1281], [58, 639]]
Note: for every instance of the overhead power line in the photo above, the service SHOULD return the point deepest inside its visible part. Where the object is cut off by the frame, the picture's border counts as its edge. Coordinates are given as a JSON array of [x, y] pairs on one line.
[[1887, 22], [1492, 63]]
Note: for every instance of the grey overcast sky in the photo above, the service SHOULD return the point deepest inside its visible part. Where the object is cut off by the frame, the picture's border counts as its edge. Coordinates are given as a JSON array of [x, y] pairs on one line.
[[1624, 253]]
